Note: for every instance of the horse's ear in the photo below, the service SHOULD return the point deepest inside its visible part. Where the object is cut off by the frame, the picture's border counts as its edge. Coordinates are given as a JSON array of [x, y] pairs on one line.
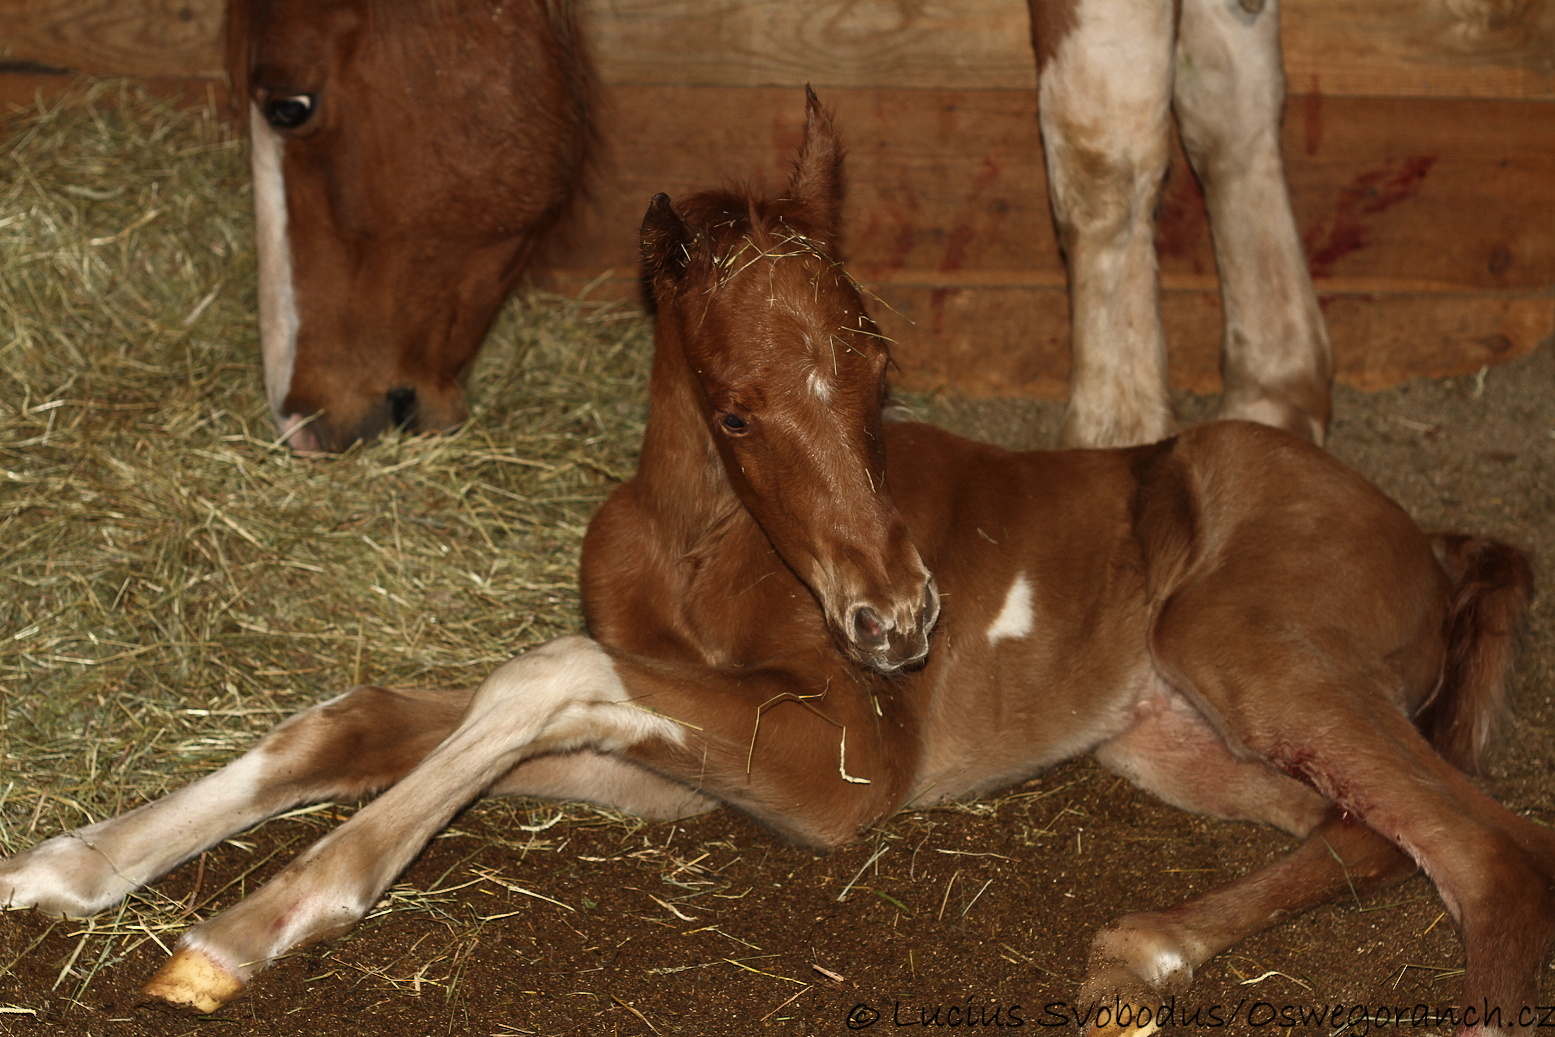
[[817, 179], [666, 239]]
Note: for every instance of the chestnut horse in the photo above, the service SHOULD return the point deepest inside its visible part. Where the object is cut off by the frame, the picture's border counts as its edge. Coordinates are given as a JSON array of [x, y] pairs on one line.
[[1110, 73], [1232, 619], [406, 155]]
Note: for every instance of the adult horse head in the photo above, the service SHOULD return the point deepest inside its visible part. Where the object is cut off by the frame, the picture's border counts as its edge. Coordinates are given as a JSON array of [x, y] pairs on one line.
[[406, 156]]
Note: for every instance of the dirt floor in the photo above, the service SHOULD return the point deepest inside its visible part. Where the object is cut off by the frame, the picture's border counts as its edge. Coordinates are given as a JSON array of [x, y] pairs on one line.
[[527, 919]]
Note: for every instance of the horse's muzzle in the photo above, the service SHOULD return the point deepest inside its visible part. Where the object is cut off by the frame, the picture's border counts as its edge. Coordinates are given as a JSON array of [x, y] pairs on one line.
[[892, 640]]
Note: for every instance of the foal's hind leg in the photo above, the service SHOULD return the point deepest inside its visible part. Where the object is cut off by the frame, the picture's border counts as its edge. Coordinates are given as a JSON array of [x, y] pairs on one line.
[[1229, 91], [1172, 751], [1104, 86], [1324, 714]]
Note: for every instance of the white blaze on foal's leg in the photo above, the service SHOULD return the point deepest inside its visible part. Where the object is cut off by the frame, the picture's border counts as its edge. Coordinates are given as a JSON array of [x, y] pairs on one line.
[[277, 295], [1229, 93], [562, 696], [1104, 105]]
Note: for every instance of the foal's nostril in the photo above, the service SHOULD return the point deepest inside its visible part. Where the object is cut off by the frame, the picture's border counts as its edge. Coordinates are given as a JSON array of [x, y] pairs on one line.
[[868, 628], [930, 614], [402, 406]]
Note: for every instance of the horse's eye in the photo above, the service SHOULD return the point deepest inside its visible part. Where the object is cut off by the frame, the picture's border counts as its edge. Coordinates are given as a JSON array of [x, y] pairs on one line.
[[735, 425], [288, 113]]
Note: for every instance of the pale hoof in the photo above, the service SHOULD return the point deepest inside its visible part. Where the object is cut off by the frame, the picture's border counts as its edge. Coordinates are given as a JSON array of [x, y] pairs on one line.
[[192, 981]]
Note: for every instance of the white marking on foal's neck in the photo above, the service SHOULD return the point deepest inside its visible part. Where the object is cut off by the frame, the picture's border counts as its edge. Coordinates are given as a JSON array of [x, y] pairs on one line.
[[1015, 618], [277, 297]]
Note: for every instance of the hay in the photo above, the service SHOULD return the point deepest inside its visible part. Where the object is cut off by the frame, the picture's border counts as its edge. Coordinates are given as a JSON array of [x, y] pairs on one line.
[[175, 581]]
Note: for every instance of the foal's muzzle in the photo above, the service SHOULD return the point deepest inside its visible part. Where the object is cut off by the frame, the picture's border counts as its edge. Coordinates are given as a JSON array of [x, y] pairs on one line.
[[891, 639]]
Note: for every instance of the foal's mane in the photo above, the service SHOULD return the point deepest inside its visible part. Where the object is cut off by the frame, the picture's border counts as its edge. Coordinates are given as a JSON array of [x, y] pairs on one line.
[[734, 227]]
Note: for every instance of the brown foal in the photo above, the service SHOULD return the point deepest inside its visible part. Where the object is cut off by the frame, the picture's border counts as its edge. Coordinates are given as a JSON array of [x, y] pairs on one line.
[[1232, 619]]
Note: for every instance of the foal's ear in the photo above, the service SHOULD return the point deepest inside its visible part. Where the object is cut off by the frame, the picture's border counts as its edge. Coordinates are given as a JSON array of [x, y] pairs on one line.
[[817, 179], [666, 239]]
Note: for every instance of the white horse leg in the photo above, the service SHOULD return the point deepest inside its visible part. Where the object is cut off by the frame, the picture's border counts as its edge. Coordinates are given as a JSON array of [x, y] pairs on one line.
[[1229, 92], [1104, 94]]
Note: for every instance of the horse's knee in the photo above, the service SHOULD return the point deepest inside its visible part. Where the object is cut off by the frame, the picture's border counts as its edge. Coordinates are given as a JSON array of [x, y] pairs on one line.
[[1104, 106]]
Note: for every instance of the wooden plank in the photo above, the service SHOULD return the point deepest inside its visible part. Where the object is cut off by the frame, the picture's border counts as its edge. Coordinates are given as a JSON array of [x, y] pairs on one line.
[[948, 187], [1421, 48], [1375, 48], [1013, 340], [114, 37], [953, 44]]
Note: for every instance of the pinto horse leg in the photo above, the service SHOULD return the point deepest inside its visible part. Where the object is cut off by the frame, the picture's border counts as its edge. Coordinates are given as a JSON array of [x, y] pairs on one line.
[[566, 697], [1229, 91], [1104, 91]]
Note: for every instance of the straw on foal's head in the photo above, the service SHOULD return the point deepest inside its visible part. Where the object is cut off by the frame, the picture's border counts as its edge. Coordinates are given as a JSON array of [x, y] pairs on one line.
[[790, 378]]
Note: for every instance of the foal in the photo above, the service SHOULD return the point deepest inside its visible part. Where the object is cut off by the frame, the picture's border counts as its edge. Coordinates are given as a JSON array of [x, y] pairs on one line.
[[1232, 619]]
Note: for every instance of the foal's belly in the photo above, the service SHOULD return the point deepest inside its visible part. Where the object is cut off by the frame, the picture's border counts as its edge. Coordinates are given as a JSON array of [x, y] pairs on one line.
[[1006, 714]]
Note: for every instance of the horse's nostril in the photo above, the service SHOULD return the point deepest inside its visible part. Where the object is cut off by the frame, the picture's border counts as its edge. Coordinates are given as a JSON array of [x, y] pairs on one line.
[[402, 406], [869, 628]]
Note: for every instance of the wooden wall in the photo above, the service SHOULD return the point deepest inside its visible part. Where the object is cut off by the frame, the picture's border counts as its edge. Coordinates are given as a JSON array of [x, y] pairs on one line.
[[1420, 138]]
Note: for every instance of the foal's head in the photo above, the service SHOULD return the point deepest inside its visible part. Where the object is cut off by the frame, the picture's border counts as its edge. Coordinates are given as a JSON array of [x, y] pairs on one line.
[[789, 379]]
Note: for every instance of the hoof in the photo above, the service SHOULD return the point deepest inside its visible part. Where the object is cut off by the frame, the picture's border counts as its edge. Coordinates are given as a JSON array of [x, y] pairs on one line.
[[192, 981]]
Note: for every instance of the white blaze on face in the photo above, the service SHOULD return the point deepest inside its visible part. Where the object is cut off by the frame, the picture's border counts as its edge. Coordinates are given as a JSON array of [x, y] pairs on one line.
[[277, 298], [1015, 618]]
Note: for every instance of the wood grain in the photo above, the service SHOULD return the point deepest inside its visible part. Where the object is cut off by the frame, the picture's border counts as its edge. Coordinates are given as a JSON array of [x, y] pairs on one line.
[[114, 37], [1370, 48], [948, 187]]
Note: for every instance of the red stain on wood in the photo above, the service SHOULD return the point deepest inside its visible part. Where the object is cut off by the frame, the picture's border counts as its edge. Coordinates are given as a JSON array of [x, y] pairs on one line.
[[1181, 221], [964, 232], [1312, 118], [1371, 193]]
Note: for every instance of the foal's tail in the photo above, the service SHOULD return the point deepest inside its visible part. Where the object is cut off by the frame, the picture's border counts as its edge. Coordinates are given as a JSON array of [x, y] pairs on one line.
[[1487, 610]]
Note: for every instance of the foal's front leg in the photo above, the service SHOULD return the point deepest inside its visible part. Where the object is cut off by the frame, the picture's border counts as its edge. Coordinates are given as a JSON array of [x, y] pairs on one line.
[[352, 745], [561, 697]]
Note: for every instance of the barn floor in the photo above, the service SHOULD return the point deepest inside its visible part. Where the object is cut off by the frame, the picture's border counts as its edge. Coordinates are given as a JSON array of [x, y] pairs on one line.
[[712, 927], [529, 919]]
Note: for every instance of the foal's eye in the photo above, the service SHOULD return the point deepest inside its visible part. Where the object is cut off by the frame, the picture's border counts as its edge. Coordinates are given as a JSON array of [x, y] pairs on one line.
[[288, 113], [735, 425]]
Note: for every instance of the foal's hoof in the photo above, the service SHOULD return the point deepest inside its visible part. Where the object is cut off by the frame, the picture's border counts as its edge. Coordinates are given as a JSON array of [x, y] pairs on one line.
[[1134, 965], [192, 981]]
